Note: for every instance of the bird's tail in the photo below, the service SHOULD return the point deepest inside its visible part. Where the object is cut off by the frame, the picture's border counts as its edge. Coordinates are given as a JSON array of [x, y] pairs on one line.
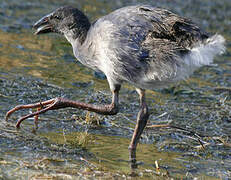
[[204, 53]]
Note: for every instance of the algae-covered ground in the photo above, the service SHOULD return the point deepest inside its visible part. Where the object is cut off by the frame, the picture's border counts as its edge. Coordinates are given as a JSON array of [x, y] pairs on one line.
[[73, 144]]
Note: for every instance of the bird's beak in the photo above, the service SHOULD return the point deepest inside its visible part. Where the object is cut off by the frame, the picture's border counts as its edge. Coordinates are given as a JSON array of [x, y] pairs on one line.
[[43, 26]]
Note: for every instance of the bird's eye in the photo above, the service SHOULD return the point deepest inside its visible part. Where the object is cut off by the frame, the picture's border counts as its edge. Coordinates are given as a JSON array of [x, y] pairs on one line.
[[57, 17]]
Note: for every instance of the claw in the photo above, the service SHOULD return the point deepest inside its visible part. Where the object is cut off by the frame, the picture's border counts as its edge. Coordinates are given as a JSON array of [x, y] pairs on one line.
[[52, 102], [37, 116], [48, 104]]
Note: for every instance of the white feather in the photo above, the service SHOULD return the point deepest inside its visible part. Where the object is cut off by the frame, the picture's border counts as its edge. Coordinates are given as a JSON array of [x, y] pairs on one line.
[[201, 55], [198, 56]]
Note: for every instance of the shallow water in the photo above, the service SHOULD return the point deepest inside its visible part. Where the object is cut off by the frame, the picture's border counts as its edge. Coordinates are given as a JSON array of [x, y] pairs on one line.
[[72, 144]]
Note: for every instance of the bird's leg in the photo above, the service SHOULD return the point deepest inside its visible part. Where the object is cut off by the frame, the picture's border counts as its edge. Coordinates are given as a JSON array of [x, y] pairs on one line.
[[142, 119], [59, 103]]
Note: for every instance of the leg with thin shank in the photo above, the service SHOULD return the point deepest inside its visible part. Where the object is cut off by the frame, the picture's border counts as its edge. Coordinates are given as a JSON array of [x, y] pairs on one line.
[[142, 119], [59, 103]]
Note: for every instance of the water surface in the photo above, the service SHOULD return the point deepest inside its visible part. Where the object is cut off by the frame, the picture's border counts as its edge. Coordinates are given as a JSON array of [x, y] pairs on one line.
[[69, 143]]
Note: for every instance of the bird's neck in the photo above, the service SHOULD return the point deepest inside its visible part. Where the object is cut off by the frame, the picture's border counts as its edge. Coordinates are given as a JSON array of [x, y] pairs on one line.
[[84, 49], [78, 32]]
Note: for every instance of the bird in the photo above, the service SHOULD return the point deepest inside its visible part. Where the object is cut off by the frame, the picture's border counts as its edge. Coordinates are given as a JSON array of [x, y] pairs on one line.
[[146, 46]]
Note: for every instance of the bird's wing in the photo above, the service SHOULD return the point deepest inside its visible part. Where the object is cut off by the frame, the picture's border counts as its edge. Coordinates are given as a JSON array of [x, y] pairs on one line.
[[137, 22], [168, 25], [143, 37]]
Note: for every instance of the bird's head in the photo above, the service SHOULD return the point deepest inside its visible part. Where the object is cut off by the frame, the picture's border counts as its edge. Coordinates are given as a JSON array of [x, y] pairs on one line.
[[65, 20]]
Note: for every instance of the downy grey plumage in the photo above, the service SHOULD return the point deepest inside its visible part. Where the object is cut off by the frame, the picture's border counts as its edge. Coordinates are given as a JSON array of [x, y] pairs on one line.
[[146, 46]]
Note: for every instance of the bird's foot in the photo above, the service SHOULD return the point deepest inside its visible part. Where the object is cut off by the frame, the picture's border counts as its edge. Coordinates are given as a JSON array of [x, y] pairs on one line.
[[42, 107], [58, 103]]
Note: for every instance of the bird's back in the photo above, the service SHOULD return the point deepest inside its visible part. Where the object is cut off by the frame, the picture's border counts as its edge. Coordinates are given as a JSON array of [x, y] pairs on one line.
[[145, 46], [161, 24]]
